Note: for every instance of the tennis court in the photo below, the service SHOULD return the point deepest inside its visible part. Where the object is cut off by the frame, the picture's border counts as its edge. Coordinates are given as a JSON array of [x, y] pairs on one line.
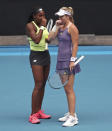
[[92, 87]]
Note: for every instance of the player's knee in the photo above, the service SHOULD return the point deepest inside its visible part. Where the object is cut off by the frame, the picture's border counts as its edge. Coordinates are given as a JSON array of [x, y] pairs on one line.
[[39, 85], [69, 89]]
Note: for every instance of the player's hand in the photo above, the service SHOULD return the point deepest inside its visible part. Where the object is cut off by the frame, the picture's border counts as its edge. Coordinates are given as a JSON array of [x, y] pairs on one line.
[[47, 39], [58, 22], [43, 22], [71, 66]]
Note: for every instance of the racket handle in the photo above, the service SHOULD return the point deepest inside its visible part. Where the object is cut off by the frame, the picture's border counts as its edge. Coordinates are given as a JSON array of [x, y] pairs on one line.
[[78, 60]]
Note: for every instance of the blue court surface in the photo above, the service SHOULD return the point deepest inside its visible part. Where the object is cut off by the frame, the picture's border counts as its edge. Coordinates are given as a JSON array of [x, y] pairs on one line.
[[93, 88]]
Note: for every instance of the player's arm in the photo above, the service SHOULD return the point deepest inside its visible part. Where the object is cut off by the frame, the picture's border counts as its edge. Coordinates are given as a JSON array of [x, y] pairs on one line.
[[31, 31], [55, 29], [75, 38], [53, 33]]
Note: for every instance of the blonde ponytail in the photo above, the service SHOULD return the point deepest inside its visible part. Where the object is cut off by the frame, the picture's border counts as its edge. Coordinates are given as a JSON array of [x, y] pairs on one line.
[[69, 9]]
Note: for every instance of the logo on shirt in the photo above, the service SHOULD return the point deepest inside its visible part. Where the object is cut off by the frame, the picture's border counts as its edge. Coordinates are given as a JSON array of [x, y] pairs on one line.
[[34, 60]]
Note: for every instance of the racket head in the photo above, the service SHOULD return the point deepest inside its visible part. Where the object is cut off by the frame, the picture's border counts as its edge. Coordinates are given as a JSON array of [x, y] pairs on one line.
[[58, 80], [50, 25]]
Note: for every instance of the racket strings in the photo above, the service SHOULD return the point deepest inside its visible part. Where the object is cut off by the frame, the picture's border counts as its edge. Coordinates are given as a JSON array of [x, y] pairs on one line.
[[58, 80], [64, 78]]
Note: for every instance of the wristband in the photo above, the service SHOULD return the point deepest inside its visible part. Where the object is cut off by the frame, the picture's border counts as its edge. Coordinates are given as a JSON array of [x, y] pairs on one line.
[[73, 59], [42, 27]]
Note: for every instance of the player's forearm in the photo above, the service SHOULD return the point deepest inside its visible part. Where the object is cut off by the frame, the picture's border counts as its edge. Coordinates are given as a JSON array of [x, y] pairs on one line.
[[74, 50], [52, 35], [37, 38]]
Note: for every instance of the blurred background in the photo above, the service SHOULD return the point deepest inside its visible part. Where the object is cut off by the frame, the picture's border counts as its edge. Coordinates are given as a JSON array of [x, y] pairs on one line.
[[92, 17]]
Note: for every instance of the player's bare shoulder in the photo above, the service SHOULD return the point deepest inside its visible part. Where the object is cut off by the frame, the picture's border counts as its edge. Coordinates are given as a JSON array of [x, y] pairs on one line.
[[29, 26], [73, 28]]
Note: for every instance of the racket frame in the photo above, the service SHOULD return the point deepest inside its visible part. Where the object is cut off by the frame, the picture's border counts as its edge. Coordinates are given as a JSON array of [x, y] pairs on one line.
[[76, 62], [50, 25]]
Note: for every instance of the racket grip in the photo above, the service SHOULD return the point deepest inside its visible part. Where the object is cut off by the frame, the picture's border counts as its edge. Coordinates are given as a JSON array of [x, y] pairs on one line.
[[78, 60]]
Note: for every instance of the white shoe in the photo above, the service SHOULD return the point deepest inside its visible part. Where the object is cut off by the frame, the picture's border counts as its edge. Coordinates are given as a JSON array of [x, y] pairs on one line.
[[66, 115], [71, 121]]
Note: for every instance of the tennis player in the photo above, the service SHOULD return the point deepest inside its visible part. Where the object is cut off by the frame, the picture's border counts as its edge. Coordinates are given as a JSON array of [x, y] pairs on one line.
[[68, 35], [39, 61]]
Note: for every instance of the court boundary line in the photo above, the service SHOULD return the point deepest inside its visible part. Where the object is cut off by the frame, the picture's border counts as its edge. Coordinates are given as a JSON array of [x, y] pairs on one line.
[[55, 53], [83, 50]]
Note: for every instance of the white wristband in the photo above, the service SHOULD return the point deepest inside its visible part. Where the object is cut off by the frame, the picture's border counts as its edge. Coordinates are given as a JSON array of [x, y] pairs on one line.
[[54, 28], [42, 27], [73, 59]]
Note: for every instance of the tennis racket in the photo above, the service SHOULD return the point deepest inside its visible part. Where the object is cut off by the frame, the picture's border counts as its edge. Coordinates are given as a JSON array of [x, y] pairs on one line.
[[58, 80], [49, 25]]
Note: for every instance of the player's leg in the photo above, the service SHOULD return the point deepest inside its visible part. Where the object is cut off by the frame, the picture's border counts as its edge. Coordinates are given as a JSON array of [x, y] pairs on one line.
[[45, 75], [71, 119], [38, 88], [36, 95], [41, 114], [70, 94]]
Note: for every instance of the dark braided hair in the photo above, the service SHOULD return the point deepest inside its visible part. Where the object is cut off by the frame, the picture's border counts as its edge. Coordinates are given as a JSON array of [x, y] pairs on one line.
[[35, 10]]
